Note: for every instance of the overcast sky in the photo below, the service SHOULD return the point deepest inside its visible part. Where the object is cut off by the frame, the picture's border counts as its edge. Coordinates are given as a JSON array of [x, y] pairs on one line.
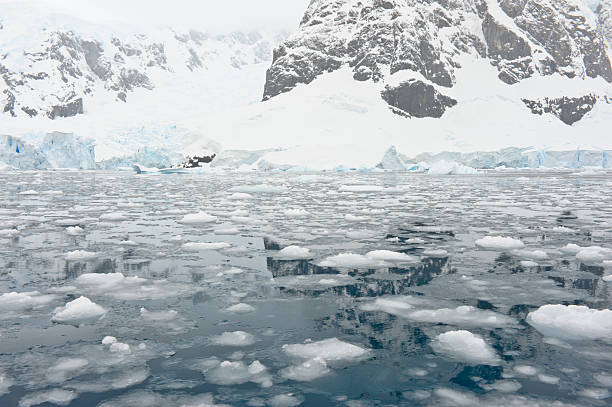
[[217, 14]]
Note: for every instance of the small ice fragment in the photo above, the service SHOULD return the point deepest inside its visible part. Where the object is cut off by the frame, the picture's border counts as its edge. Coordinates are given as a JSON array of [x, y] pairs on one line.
[[240, 308], [74, 230], [200, 218], [294, 253], [113, 217], [199, 246], [109, 340], [119, 347], [390, 256], [80, 255], [236, 338], [466, 347], [572, 322], [331, 349], [296, 213], [78, 310], [58, 397], [284, 400], [525, 370], [307, 371], [499, 243]]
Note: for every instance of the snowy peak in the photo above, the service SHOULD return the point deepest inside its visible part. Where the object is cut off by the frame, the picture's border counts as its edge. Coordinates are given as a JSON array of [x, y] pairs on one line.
[[426, 41]]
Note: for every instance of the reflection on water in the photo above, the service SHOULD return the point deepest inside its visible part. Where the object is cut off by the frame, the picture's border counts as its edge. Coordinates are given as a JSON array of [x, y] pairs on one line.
[[209, 322]]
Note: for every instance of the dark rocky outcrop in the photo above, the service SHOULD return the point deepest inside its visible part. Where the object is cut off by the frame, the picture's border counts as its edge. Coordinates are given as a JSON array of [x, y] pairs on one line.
[[67, 110], [568, 109], [417, 99]]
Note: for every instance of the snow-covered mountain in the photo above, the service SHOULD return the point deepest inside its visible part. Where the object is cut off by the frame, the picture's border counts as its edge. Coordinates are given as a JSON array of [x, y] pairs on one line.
[[357, 77]]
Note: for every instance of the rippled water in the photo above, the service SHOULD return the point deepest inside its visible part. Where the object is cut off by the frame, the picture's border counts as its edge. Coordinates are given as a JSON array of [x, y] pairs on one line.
[[385, 314]]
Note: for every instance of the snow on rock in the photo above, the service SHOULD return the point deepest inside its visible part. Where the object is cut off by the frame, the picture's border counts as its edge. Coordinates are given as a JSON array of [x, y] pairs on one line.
[[309, 370], [80, 255], [236, 338], [294, 253], [331, 349], [200, 218], [499, 243], [572, 322], [79, 310], [465, 346], [200, 246], [59, 397]]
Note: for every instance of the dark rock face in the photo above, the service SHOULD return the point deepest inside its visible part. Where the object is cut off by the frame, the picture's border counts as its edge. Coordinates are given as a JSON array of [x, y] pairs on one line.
[[379, 38], [197, 161], [568, 110], [417, 99], [67, 110]]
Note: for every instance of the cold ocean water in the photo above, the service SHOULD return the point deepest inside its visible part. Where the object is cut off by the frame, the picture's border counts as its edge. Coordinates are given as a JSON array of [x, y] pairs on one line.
[[274, 289]]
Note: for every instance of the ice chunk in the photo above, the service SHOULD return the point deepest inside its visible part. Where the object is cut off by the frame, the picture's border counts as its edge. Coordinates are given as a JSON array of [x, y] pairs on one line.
[[352, 260], [236, 338], [390, 256], [80, 255], [58, 397], [361, 188], [255, 189], [198, 246], [499, 243], [227, 231], [531, 254], [296, 213], [466, 347], [595, 393], [450, 168], [331, 349], [200, 218], [231, 373], [572, 322], [240, 308], [239, 196], [79, 310], [29, 192], [14, 301], [549, 379], [456, 398], [119, 347], [571, 248], [74, 230], [109, 340], [65, 368], [113, 217], [117, 285], [294, 253], [284, 400], [594, 254], [307, 371], [463, 315], [525, 370], [604, 378]]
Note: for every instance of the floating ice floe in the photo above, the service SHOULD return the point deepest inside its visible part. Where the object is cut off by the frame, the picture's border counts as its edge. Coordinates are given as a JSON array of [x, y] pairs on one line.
[[593, 254], [74, 230], [296, 213], [240, 308], [572, 322], [128, 243], [80, 255], [361, 188], [435, 253], [239, 196], [80, 310], [456, 398], [352, 260], [530, 254], [13, 301], [294, 253], [113, 217], [309, 370], [29, 192], [284, 400], [236, 338], [595, 393], [464, 315], [499, 243], [59, 397], [9, 233], [65, 368], [465, 346], [571, 248], [353, 218], [390, 256], [258, 189], [231, 373], [200, 218], [169, 315], [227, 231], [200, 246], [331, 349], [116, 285]]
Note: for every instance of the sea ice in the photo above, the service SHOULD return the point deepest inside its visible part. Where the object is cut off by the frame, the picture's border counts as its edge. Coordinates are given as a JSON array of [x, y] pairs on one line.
[[81, 309], [200, 218], [198, 246], [296, 213], [390, 256], [236, 338], [284, 400], [117, 285], [352, 260], [169, 315], [231, 373], [572, 322], [331, 349], [294, 253], [113, 217], [309, 370], [14, 301], [80, 255], [499, 243], [466, 347], [74, 230], [594, 254], [58, 397], [240, 308]]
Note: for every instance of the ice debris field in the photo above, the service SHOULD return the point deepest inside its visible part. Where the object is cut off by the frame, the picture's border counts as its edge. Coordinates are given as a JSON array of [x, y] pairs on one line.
[[281, 290]]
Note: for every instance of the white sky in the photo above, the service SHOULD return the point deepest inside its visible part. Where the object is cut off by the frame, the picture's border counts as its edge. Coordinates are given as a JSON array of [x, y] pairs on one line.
[[211, 14]]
